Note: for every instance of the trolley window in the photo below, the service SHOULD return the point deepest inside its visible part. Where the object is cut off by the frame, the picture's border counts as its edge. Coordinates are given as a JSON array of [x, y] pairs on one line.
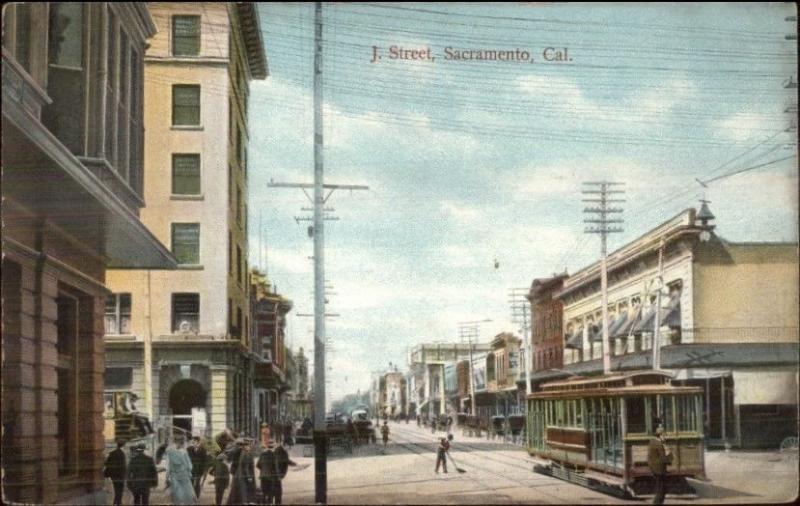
[[687, 414], [636, 415]]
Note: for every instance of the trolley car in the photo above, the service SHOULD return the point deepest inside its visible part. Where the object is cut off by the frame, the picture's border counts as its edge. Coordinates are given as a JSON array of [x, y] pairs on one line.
[[595, 431]]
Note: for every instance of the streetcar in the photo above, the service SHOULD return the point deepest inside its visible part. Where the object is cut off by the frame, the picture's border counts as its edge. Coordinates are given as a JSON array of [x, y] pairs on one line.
[[595, 431]]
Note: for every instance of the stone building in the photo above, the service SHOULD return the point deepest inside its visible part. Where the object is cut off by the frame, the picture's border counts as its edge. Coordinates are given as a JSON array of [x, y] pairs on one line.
[[181, 340], [72, 142]]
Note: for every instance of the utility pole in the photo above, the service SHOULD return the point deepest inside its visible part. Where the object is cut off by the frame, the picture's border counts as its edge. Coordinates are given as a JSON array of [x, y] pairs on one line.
[[317, 232], [468, 330], [601, 223], [519, 314]]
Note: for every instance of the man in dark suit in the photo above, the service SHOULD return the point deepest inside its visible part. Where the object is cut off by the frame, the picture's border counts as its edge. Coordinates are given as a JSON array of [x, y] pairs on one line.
[[115, 469], [142, 475], [282, 463], [198, 456], [658, 457]]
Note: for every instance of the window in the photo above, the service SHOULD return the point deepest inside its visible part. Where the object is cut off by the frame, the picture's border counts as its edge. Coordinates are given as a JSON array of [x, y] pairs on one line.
[[17, 32], [66, 76], [186, 174], [238, 205], [67, 382], [185, 312], [239, 264], [230, 254], [239, 322], [185, 104], [185, 35], [186, 243], [118, 314], [118, 378]]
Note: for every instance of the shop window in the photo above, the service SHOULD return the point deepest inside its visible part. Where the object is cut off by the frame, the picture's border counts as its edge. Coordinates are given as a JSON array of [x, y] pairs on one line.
[[67, 321], [118, 378], [118, 314]]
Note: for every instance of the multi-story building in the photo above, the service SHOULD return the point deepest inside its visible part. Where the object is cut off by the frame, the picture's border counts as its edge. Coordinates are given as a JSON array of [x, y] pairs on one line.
[[728, 323], [393, 394], [547, 315], [180, 339], [72, 192], [427, 365], [271, 375]]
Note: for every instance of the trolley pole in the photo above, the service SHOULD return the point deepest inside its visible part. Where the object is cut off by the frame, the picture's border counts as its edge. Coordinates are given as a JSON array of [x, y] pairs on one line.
[[603, 225]]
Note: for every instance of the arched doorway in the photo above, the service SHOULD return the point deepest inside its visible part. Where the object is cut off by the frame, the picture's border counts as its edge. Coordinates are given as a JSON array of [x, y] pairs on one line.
[[183, 396]]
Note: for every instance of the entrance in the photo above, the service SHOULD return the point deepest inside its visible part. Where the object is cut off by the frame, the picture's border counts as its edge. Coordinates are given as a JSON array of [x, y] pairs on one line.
[[183, 396]]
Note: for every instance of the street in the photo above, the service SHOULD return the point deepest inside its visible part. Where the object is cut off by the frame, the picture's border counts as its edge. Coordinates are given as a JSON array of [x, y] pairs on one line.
[[497, 473]]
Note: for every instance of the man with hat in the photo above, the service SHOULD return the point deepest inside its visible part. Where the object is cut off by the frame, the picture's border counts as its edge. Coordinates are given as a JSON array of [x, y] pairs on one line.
[[198, 455], [658, 457], [114, 468], [268, 473], [282, 463], [243, 472], [142, 475]]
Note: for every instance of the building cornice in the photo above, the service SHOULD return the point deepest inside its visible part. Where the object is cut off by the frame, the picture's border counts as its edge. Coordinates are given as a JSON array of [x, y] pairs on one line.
[[250, 28], [682, 224]]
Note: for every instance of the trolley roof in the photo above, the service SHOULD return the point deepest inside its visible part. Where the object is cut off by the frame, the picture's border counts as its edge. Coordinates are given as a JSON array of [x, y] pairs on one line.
[[631, 383]]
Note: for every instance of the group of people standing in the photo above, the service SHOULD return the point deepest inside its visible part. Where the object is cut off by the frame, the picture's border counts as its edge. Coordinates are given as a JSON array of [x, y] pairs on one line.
[[187, 466]]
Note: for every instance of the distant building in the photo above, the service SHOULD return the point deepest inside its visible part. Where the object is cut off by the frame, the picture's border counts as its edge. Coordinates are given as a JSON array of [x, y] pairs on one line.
[[272, 385], [427, 363], [729, 323], [547, 314], [181, 339], [72, 171]]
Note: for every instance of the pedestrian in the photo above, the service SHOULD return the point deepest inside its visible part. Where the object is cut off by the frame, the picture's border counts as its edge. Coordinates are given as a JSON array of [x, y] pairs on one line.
[[243, 485], [441, 454], [264, 434], [221, 474], [419, 421], [115, 469], [385, 433], [658, 457], [287, 432], [179, 473], [282, 463], [198, 455], [142, 475], [268, 472]]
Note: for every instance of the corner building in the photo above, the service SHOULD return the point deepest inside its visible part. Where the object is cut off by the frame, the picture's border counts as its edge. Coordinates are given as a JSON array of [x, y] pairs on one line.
[[181, 340]]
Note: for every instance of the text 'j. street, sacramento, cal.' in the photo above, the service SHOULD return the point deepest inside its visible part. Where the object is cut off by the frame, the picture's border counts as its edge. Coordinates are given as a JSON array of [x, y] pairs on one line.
[[452, 54]]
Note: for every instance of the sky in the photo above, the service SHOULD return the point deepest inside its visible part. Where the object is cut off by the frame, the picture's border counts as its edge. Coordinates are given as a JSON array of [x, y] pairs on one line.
[[472, 162]]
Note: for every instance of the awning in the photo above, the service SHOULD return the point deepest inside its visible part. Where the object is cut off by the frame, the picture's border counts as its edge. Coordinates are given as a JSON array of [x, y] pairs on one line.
[[575, 341], [765, 387], [615, 326], [670, 316]]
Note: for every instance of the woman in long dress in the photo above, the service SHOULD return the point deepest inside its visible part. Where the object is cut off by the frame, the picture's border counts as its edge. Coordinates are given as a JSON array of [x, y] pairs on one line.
[[179, 474]]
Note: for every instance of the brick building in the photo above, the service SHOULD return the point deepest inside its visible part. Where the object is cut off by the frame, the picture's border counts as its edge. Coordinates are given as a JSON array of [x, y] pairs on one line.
[[72, 192]]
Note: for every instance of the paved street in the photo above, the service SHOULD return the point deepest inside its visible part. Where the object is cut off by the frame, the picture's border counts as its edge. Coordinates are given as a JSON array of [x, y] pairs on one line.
[[498, 473]]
